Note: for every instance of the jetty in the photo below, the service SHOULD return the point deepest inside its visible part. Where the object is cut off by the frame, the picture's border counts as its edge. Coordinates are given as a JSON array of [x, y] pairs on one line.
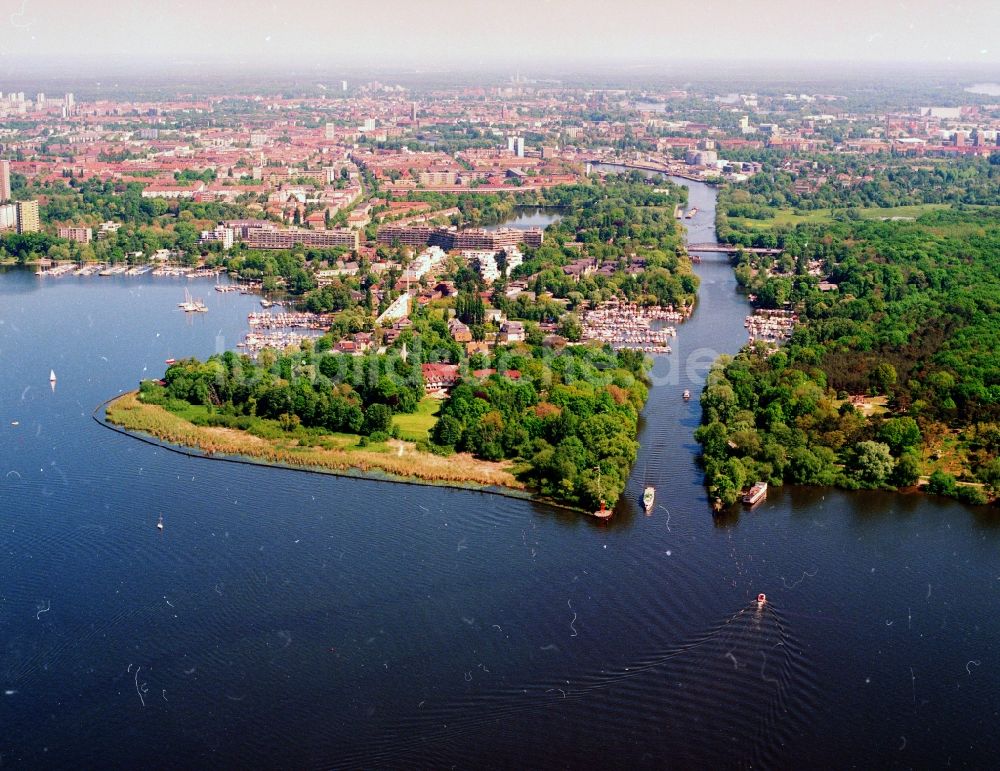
[[255, 342], [58, 270], [171, 270], [290, 320], [770, 325], [631, 326]]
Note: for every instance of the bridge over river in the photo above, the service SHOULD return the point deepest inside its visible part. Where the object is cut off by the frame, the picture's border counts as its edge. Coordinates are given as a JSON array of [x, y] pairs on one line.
[[730, 249]]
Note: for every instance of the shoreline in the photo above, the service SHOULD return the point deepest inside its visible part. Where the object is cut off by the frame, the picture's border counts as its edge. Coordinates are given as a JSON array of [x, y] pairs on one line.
[[229, 445]]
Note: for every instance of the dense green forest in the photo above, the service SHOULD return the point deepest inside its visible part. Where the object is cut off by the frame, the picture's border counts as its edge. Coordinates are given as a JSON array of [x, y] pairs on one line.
[[317, 390], [914, 317], [94, 201], [570, 419], [901, 182]]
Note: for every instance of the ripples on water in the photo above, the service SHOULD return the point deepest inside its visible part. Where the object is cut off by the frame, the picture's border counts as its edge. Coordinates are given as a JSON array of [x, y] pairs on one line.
[[289, 619], [739, 690]]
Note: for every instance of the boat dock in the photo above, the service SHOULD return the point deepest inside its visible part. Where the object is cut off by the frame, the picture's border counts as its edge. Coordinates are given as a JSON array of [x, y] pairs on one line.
[[770, 325], [255, 342], [287, 320], [119, 269], [626, 325], [58, 270]]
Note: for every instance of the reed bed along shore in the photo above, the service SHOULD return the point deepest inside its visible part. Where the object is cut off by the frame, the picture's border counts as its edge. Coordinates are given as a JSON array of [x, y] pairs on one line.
[[401, 460]]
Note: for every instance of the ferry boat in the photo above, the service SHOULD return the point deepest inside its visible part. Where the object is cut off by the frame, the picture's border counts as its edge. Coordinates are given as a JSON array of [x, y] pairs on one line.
[[648, 495], [687, 395], [755, 494]]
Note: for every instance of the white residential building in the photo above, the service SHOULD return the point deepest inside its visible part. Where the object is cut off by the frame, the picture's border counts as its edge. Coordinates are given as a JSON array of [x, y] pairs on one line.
[[423, 262], [399, 309]]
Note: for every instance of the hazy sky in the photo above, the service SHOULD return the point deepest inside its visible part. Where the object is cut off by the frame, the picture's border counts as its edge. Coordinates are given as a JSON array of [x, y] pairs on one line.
[[453, 32]]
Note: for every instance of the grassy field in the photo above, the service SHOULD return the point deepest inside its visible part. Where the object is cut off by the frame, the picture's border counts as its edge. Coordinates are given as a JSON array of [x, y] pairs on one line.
[[417, 427], [783, 217], [266, 441]]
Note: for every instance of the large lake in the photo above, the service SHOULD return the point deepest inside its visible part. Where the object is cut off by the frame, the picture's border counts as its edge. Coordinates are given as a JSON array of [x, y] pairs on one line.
[[284, 618]]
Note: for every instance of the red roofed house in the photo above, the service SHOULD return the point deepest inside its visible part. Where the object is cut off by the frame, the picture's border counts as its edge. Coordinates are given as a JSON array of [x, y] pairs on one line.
[[439, 377]]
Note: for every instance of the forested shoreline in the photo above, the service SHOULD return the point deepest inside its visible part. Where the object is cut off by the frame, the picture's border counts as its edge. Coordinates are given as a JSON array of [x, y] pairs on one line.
[[890, 376], [567, 419]]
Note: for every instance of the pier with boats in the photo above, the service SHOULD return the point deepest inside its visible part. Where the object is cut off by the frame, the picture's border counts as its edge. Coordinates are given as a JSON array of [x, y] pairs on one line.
[[255, 342], [771, 325], [192, 304], [636, 327], [282, 329], [289, 320], [123, 269]]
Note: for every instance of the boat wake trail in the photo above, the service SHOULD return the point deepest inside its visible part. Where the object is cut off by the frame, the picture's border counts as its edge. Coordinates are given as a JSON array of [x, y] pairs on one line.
[[747, 671]]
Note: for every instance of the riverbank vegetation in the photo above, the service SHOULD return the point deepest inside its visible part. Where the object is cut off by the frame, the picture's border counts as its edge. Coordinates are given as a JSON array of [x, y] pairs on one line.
[[765, 209], [569, 419], [560, 423], [274, 442], [905, 311]]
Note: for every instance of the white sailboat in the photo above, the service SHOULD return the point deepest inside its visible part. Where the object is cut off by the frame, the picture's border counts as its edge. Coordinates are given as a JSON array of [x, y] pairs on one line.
[[191, 305]]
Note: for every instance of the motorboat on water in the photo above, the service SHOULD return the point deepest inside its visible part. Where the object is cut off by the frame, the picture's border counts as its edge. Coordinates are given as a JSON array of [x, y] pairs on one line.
[[159, 524], [755, 494], [687, 395], [648, 496], [761, 598]]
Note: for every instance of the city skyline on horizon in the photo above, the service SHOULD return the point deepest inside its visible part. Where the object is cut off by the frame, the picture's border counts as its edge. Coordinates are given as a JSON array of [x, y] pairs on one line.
[[557, 32]]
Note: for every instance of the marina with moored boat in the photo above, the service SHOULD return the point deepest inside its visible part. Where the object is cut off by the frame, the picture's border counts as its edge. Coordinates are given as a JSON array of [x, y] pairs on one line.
[[636, 327]]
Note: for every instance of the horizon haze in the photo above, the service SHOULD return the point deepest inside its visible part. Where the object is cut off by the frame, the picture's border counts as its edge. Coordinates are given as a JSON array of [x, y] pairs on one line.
[[448, 33]]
